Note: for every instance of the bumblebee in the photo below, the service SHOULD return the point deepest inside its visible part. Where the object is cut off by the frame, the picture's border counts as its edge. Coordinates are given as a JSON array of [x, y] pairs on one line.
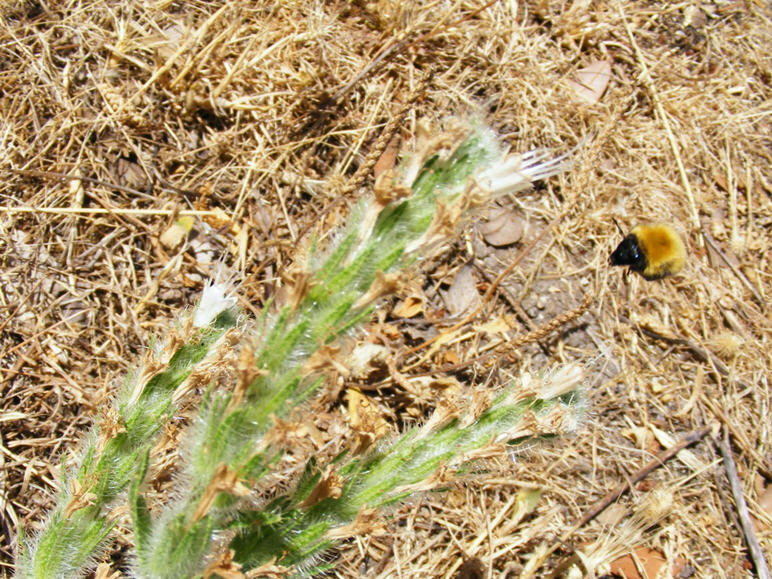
[[654, 250]]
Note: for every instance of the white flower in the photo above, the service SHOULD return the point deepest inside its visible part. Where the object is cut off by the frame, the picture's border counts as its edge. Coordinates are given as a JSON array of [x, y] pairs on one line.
[[518, 172], [214, 301]]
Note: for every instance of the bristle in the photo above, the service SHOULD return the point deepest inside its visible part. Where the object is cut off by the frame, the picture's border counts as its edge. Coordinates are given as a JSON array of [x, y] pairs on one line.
[[727, 345]]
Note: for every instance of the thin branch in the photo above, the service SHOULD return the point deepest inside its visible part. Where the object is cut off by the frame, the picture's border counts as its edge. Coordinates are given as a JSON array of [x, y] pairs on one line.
[[652, 465], [647, 80], [106, 211], [762, 571], [740, 275], [167, 187]]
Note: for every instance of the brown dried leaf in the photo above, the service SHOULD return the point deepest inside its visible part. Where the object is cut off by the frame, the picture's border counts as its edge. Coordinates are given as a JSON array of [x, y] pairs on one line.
[[365, 420], [80, 498], [366, 522], [650, 560], [221, 220], [441, 476], [388, 158], [366, 358], [591, 81], [224, 480], [443, 226], [329, 486], [447, 357], [176, 233], [247, 372], [103, 571], [462, 296], [410, 307], [268, 571], [490, 450], [500, 325], [224, 567], [388, 190], [613, 515], [286, 434], [297, 288], [383, 285], [503, 227], [110, 426], [447, 409], [425, 388], [325, 359]]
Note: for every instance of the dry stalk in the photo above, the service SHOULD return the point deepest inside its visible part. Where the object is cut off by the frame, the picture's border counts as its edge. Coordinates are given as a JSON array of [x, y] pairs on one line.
[[756, 552]]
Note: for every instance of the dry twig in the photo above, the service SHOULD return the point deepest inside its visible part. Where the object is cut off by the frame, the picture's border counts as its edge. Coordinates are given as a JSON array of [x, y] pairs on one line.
[[756, 553]]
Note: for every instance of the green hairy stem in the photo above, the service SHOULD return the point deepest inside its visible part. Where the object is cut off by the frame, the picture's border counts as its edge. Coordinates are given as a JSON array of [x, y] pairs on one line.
[[227, 451], [114, 451]]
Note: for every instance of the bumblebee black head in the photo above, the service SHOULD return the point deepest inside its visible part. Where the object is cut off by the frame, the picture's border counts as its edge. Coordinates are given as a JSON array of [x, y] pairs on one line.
[[629, 253]]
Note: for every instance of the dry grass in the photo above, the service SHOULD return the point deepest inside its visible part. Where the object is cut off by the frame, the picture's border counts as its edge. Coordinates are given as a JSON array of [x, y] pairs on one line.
[[267, 109]]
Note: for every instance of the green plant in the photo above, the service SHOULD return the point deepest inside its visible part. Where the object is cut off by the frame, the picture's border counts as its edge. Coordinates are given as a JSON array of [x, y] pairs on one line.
[[214, 525]]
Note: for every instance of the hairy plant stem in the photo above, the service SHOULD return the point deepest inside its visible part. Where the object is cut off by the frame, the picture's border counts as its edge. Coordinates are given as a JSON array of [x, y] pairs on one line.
[[227, 456], [112, 458], [227, 453]]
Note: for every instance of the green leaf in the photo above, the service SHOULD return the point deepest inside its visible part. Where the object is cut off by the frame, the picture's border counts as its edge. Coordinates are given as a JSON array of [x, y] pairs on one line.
[[140, 515]]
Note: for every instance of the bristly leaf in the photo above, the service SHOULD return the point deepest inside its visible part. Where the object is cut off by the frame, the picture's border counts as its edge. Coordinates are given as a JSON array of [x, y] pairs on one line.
[[140, 516], [316, 317], [115, 455], [383, 477]]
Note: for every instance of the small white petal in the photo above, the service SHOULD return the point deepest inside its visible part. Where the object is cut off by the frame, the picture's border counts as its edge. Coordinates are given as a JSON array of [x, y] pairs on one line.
[[518, 172], [214, 301]]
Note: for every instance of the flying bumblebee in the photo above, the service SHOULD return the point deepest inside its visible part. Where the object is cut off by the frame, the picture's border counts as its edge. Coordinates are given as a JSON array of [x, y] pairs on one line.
[[654, 250]]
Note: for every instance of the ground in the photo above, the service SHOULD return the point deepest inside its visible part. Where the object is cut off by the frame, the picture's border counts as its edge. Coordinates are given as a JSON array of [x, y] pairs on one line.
[[266, 113]]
